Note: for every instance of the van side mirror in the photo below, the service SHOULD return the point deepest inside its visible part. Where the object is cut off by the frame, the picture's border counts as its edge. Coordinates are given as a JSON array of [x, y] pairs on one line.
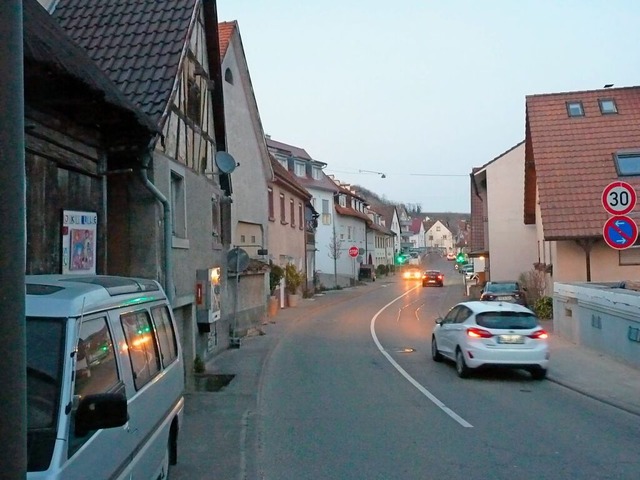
[[101, 410]]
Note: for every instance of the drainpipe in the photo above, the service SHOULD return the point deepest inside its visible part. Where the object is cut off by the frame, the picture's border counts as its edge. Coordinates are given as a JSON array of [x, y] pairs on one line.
[[168, 227]]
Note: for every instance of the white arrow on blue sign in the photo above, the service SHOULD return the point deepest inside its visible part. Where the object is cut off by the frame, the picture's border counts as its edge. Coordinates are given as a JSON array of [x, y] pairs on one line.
[[620, 232]]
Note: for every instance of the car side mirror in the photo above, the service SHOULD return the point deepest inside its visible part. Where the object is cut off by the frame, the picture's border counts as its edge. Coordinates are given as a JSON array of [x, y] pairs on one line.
[[101, 410], [439, 321]]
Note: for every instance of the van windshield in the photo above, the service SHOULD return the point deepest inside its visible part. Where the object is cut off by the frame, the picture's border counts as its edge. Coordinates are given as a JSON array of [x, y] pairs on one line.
[[45, 343]]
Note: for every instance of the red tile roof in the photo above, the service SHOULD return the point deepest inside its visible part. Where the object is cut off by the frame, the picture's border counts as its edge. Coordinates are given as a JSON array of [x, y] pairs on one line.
[[570, 159], [351, 212], [225, 31]]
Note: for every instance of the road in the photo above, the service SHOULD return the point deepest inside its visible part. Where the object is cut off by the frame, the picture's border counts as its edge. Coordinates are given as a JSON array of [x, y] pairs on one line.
[[351, 392]]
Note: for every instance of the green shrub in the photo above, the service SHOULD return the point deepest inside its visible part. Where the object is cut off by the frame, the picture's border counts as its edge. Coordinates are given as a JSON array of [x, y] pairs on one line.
[[544, 308], [198, 365], [381, 269]]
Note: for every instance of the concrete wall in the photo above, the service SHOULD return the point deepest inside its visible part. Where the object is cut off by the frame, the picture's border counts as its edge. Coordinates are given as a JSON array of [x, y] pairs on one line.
[[600, 317]]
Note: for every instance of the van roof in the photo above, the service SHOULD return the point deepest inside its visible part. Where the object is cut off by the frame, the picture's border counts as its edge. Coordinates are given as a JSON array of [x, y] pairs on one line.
[[75, 295]]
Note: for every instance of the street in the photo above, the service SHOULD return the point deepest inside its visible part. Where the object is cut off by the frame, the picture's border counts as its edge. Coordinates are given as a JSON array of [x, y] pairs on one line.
[[332, 405]]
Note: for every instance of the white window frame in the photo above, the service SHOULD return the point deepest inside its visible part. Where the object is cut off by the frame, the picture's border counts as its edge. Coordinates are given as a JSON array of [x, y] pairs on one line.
[[178, 208]]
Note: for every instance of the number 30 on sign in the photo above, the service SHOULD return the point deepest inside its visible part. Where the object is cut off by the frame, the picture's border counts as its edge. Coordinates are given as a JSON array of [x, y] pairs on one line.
[[619, 198]]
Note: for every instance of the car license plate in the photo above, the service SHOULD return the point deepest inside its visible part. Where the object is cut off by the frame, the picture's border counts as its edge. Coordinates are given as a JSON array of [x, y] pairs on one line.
[[511, 339], [505, 297], [432, 281]]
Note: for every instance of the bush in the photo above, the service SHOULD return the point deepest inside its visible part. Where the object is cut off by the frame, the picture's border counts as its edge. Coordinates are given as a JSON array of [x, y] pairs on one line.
[[275, 275], [381, 270], [198, 365], [544, 308], [293, 278]]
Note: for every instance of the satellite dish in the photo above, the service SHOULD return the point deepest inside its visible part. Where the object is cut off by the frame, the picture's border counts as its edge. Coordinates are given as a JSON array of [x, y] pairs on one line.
[[225, 162], [237, 260]]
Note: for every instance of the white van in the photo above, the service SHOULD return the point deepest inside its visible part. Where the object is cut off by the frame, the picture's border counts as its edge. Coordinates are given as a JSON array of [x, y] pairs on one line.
[[104, 378]]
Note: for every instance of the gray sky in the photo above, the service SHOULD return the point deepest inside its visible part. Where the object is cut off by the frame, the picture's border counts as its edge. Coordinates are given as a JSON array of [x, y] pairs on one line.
[[422, 90]]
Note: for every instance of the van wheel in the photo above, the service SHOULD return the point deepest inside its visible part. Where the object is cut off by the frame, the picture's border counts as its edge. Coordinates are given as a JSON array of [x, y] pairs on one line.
[[172, 448]]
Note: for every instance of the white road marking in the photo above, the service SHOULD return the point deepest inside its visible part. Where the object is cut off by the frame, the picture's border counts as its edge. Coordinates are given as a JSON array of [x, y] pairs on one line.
[[404, 373]]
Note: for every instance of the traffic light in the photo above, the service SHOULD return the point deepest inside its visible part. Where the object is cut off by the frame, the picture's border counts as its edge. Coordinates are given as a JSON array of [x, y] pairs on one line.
[[401, 258], [460, 257]]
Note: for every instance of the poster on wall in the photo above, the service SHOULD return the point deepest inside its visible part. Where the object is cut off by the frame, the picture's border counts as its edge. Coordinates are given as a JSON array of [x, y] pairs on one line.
[[79, 236]]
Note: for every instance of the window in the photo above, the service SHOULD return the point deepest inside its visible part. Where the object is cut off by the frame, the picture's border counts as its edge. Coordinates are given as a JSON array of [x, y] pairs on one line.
[[300, 216], [253, 239], [299, 169], [283, 213], [194, 101], [438, 228], [292, 211], [215, 220], [96, 370], [228, 76], [272, 215], [349, 233], [166, 335], [607, 106], [342, 200], [627, 163], [243, 239], [316, 173], [326, 216], [141, 344], [631, 255], [178, 206], [574, 109]]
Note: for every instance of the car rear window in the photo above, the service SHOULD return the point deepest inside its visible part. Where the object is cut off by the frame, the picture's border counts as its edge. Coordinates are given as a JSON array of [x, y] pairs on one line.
[[502, 287], [507, 320]]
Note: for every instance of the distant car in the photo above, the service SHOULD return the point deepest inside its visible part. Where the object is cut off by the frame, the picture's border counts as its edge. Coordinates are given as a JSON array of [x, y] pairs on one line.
[[451, 256], [432, 277], [490, 334], [412, 274], [467, 270], [504, 292]]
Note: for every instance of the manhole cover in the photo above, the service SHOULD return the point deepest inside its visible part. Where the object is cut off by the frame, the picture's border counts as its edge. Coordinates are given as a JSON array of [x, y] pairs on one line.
[[212, 382]]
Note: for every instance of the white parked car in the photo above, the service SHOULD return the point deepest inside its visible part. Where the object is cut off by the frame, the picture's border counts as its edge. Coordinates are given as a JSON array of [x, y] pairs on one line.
[[491, 334]]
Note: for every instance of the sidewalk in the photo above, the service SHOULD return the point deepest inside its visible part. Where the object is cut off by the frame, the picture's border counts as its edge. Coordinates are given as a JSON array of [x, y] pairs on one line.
[[218, 427]]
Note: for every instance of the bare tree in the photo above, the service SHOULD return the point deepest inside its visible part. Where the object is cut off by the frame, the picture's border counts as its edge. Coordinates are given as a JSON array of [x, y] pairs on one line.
[[335, 251]]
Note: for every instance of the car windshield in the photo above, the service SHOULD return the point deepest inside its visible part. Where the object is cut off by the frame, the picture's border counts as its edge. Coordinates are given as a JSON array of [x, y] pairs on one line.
[[45, 342], [507, 320], [502, 287]]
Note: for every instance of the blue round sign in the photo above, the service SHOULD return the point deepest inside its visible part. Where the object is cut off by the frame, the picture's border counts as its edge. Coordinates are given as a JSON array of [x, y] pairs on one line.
[[620, 232]]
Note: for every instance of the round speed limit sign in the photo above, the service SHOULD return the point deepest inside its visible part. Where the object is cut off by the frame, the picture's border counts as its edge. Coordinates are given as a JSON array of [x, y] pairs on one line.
[[619, 198]]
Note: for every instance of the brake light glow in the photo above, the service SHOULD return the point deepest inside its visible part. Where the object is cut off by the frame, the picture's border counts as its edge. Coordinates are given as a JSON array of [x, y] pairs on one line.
[[541, 334], [474, 332]]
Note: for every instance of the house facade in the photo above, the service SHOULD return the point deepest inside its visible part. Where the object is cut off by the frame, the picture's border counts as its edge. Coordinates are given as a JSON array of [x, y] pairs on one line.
[[438, 236], [511, 246], [249, 224], [576, 144], [287, 203], [165, 59], [417, 237]]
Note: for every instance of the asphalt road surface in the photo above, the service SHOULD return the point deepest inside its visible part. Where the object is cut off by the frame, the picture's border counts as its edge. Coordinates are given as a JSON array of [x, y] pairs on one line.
[[351, 392]]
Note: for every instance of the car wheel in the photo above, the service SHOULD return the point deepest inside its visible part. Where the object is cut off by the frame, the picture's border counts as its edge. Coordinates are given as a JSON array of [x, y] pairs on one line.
[[538, 373], [435, 353], [461, 365]]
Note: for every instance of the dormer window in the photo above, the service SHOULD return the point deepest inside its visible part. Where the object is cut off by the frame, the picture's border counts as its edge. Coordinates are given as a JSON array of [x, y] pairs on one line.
[[574, 109], [627, 163], [299, 169], [607, 106], [342, 200], [316, 173]]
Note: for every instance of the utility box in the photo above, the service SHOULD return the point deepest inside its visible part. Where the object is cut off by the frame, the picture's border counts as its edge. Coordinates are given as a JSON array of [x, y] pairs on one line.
[[207, 298]]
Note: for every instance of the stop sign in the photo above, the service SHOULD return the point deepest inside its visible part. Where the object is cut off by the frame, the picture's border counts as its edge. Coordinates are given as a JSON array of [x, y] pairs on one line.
[[353, 251]]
